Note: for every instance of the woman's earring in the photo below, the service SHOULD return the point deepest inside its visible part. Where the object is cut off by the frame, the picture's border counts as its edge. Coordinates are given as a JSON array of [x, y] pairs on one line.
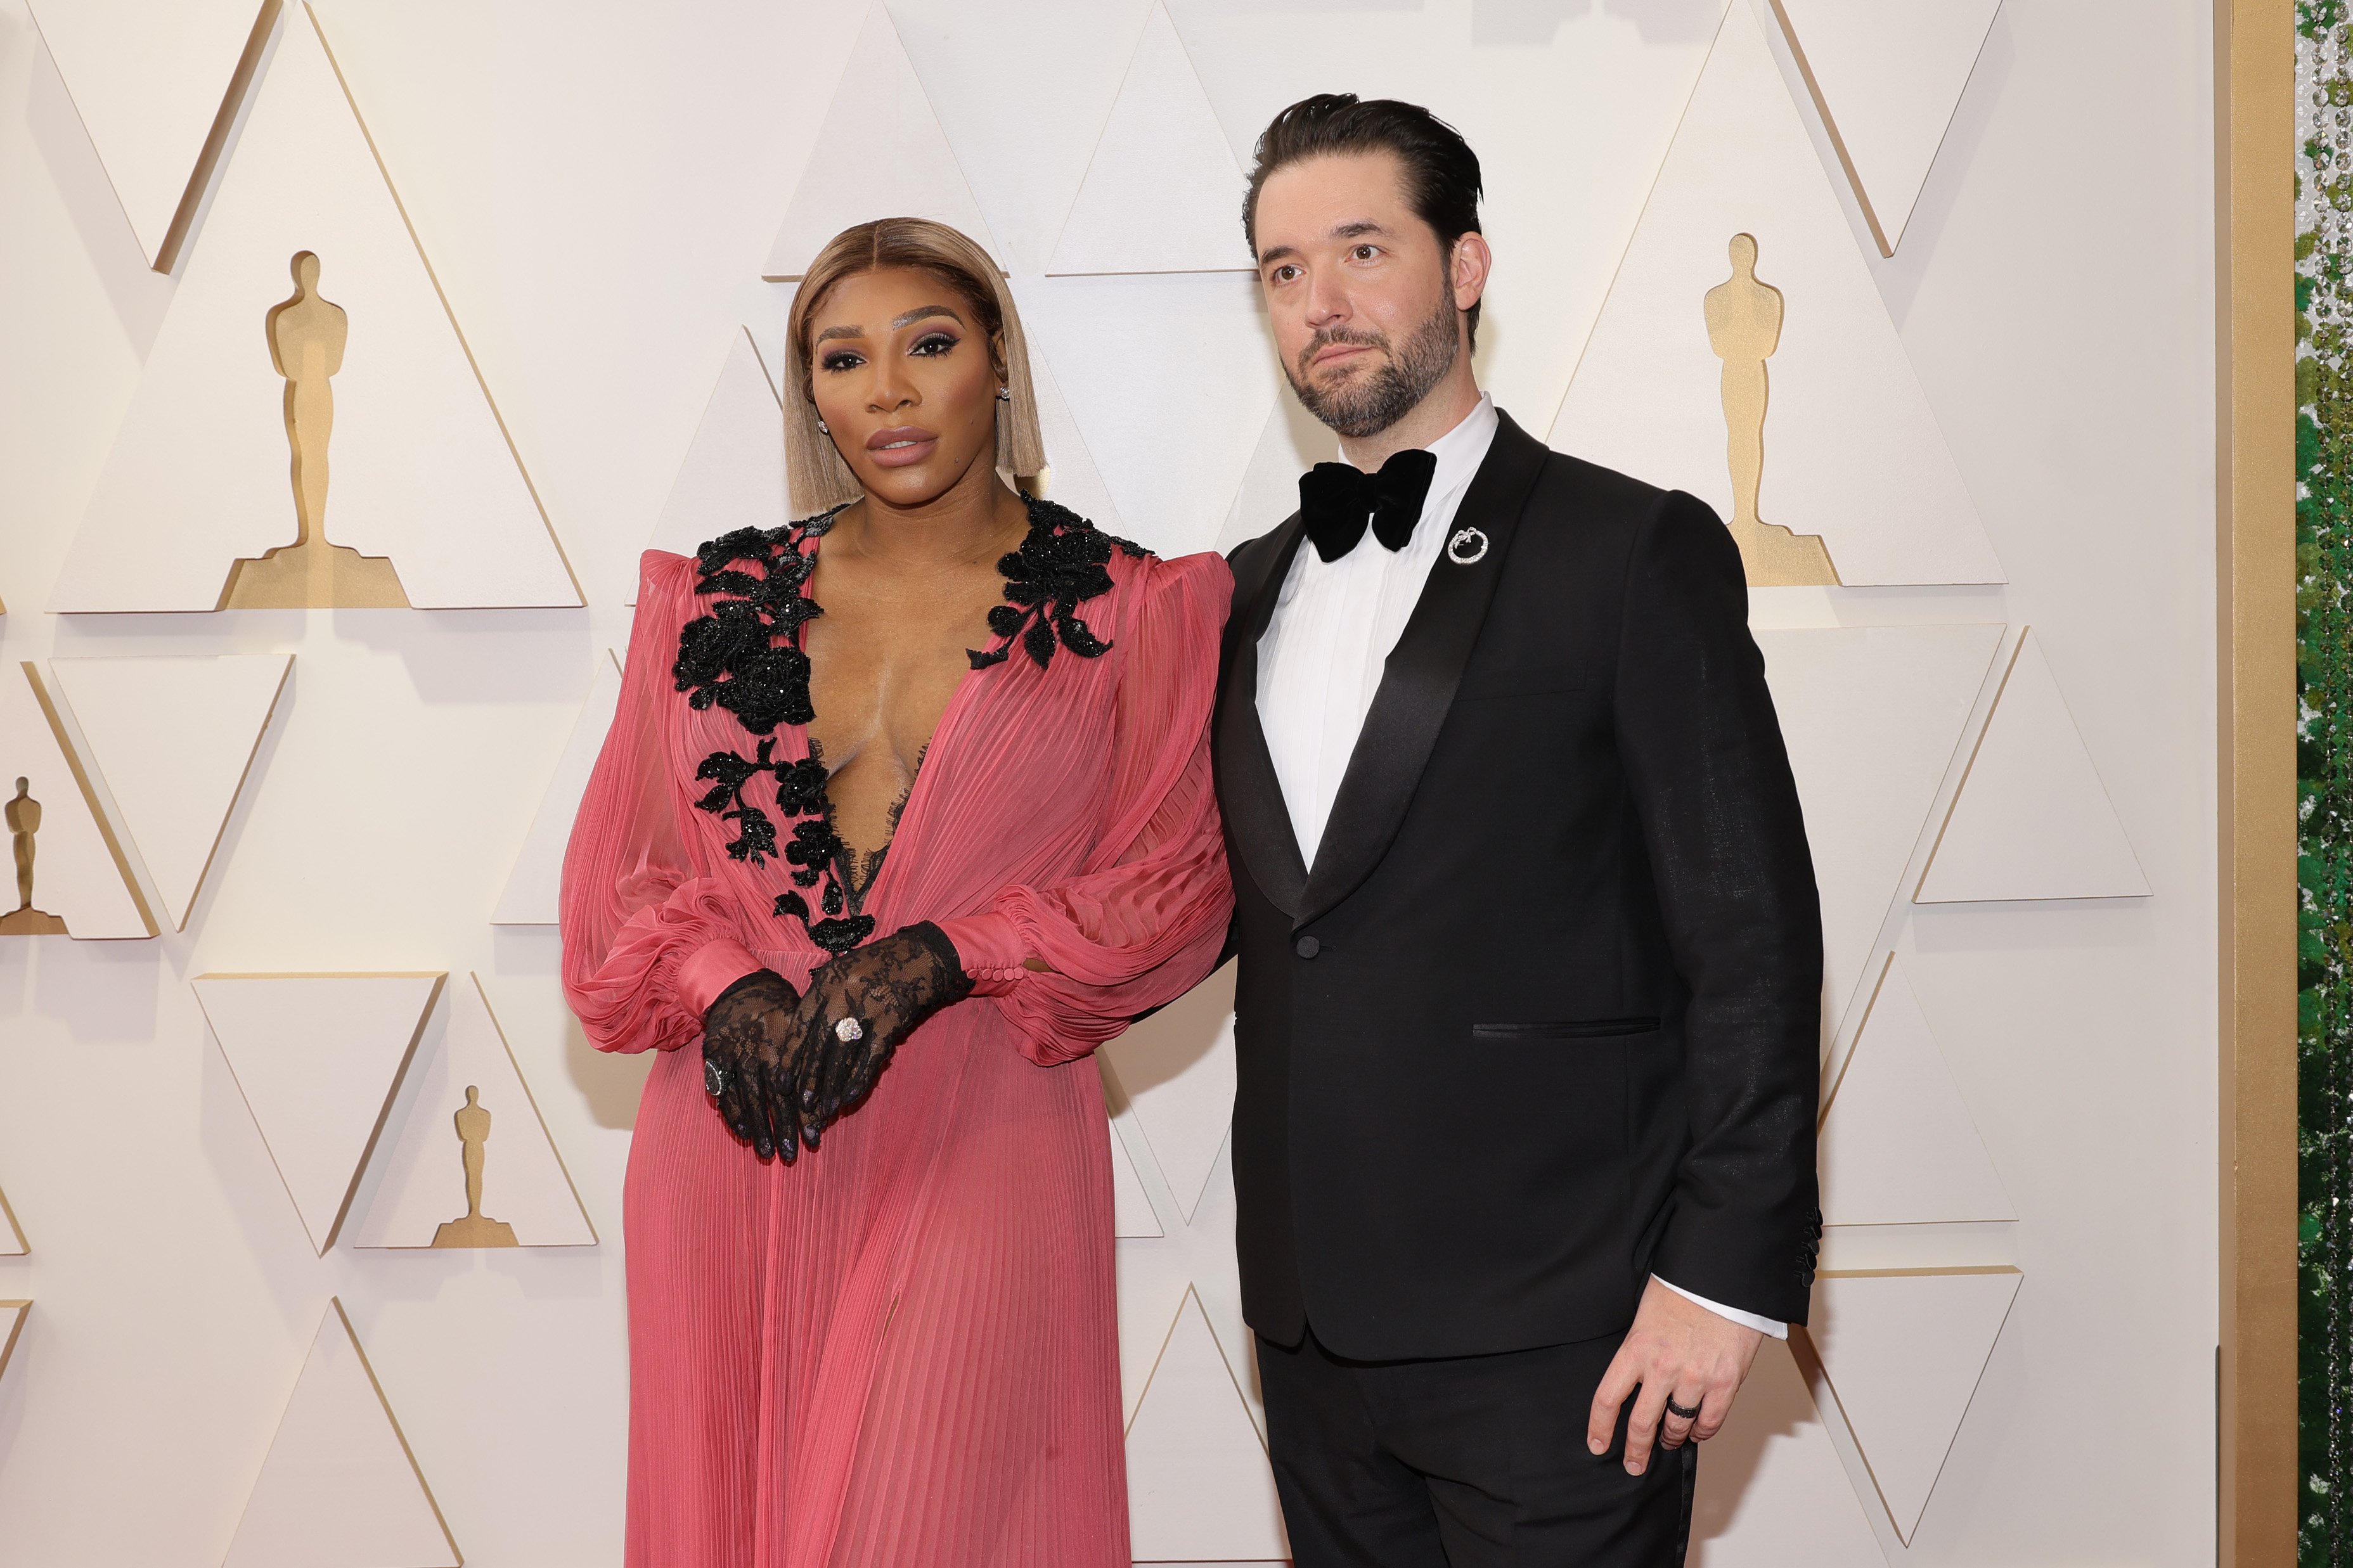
[[1005, 394], [823, 428]]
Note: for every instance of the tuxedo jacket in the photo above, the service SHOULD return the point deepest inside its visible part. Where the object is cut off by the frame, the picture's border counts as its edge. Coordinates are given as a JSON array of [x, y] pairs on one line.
[[1544, 1016]]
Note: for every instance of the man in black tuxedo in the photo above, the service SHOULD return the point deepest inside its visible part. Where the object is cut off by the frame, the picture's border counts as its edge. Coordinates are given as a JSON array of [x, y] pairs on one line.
[[1530, 949]]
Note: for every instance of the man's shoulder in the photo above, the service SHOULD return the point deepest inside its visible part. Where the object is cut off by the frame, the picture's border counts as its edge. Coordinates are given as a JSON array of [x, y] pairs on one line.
[[1251, 559], [1602, 493]]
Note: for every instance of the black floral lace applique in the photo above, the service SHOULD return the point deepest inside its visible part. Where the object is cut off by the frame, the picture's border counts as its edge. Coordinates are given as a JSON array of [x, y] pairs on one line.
[[1058, 566], [732, 659]]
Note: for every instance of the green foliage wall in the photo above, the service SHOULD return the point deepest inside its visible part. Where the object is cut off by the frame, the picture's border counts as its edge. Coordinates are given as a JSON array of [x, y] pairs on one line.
[[2324, 385]]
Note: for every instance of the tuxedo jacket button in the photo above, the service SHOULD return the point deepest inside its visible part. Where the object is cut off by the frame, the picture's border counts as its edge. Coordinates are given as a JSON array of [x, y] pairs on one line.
[[1307, 947]]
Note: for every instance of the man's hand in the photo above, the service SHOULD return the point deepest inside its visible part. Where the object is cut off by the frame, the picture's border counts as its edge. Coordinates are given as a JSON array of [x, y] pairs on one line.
[[1677, 1348]]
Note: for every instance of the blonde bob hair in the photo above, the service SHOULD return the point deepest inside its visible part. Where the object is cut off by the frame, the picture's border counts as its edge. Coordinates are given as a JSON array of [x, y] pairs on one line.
[[814, 467]]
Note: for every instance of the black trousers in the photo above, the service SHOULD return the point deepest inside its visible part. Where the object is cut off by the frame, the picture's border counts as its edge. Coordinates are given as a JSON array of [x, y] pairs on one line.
[[1468, 1462]]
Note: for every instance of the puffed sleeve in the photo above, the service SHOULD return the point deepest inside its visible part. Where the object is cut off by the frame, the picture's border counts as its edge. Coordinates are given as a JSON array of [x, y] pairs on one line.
[[646, 943], [1143, 922]]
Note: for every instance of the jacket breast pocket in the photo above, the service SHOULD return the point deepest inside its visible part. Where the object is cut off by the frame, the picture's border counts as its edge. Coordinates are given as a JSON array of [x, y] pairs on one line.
[[1567, 1029]]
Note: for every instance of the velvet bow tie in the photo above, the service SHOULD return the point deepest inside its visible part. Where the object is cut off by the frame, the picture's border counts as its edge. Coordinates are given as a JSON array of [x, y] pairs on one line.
[[1336, 502]]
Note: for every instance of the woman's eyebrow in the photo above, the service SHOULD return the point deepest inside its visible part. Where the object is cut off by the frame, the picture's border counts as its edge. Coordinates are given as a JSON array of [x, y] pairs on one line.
[[907, 319]]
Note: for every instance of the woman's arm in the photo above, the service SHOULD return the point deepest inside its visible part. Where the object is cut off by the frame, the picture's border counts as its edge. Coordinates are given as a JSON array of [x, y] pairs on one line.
[[648, 944], [1074, 961]]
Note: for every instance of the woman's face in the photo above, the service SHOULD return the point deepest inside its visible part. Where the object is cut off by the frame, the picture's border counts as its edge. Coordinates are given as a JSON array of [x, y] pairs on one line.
[[905, 378]]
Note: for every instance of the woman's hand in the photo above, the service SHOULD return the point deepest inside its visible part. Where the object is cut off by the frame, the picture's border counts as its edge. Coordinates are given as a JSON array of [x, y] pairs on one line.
[[750, 1062], [856, 1009]]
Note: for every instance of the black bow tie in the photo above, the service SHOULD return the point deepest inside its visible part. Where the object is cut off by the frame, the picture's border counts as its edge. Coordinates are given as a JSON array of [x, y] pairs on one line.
[[1336, 502]]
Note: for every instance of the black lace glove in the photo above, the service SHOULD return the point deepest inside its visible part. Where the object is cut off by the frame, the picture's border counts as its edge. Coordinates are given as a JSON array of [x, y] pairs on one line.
[[858, 1008], [751, 1062]]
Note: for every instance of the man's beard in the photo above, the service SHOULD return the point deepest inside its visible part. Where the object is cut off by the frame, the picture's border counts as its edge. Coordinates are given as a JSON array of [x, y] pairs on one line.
[[1367, 404]]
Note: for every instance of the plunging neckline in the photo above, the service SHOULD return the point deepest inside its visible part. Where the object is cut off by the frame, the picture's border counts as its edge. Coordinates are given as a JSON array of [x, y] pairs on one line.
[[855, 894], [749, 655]]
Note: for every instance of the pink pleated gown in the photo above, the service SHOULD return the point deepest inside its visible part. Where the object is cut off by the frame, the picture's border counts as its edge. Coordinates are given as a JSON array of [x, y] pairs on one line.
[[900, 1352]]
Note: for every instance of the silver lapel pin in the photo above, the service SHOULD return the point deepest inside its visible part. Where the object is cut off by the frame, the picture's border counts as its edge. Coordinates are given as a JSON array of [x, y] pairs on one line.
[[1469, 545]]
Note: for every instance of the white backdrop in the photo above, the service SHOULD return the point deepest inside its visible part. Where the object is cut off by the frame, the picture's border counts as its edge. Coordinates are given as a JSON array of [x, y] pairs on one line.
[[598, 190]]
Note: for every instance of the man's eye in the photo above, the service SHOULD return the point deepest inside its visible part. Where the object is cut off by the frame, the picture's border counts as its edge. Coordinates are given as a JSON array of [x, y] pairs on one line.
[[933, 343], [1365, 252], [1285, 274], [841, 359]]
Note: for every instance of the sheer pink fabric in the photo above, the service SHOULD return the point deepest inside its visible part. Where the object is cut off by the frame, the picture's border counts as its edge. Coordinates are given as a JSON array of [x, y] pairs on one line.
[[900, 1352]]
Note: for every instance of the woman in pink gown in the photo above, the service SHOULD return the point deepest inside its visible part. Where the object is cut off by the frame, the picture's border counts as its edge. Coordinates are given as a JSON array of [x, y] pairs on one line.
[[897, 1350]]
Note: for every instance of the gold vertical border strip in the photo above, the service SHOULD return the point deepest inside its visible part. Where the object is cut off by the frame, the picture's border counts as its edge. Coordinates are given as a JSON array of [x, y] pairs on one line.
[[89, 796], [2256, 1384]]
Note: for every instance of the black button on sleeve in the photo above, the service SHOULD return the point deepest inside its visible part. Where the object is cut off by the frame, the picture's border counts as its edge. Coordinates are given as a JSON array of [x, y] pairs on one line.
[[1307, 947]]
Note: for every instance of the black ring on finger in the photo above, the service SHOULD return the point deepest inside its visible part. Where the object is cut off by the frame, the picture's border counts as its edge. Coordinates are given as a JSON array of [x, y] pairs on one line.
[[1674, 1409]]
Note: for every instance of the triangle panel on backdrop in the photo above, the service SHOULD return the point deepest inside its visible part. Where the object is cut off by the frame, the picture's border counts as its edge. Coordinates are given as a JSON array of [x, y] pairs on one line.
[[1171, 445], [1131, 1205], [530, 896], [1851, 450], [879, 153], [157, 87], [1071, 478], [340, 1487], [1163, 193], [12, 1235], [1772, 1476], [1886, 79], [1873, 717], [12, 1324], [1293, 442], [319, 1059], [81, 884], [174, 738], [734, 474], [197, 478], [2031, 819], [1898, 1145], [1062, 59], [1903, 1353], [1199, 1486], [526, 1197]]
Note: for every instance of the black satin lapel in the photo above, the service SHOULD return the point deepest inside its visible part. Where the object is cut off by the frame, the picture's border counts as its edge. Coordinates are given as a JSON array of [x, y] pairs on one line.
[[1248, 792], [1419, 681]]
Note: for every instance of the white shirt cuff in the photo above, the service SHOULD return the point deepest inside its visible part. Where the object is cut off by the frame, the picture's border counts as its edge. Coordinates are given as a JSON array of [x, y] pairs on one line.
[[1765, 1326]]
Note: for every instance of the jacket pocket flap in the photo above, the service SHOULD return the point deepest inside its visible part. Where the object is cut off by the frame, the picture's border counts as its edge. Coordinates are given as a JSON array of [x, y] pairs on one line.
[[1570, 1029]]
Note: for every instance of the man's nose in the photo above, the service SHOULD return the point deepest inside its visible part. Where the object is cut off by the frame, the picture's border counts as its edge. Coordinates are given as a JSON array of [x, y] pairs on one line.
[[1327, 304]]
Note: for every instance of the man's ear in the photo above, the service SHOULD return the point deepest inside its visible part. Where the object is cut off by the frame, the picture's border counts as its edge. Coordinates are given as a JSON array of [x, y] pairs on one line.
[[1468, 267]]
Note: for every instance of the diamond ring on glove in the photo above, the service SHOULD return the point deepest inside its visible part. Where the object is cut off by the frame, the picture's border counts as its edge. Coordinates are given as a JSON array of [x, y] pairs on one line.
[[849, 1030], [714, 1077]]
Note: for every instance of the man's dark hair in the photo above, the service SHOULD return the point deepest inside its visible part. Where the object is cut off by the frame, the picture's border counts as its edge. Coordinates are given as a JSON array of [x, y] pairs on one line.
[[1441, 173]]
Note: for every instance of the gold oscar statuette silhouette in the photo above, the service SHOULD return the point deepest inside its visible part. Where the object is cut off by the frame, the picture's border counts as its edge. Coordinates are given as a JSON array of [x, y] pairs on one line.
[[23, 813], [475, 1229], [307, 334], [1743, 327]]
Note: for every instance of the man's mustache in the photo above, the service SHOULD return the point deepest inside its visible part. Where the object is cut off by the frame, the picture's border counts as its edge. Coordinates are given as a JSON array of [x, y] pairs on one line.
[[1329, 336]]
